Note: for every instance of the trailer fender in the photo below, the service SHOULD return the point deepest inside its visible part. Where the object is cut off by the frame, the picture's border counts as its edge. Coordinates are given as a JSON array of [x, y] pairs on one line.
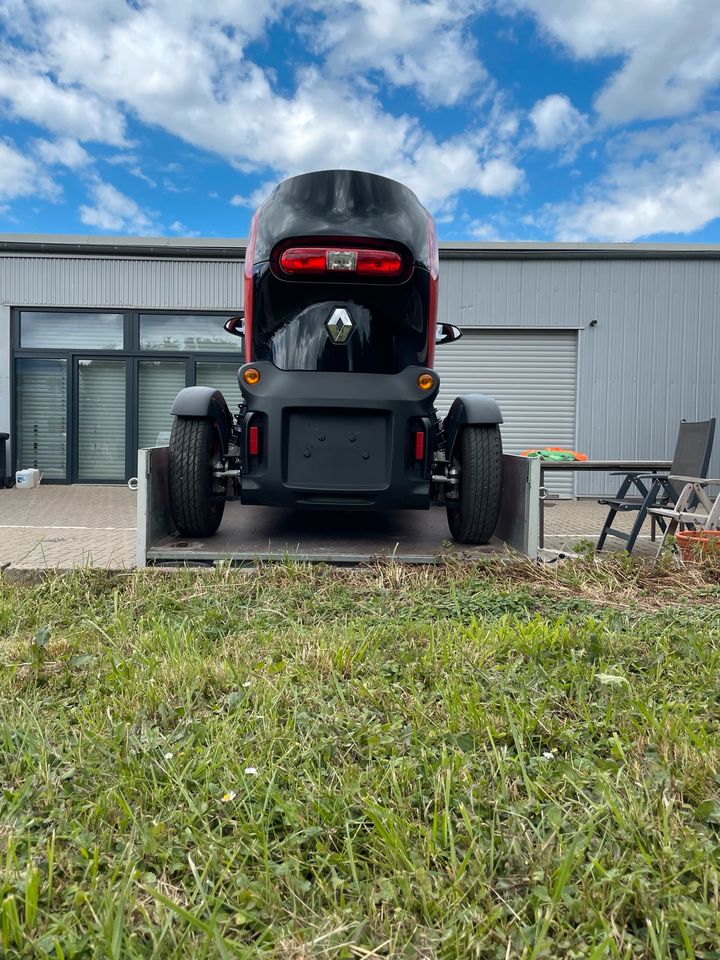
[[205, 402], [474, 409]]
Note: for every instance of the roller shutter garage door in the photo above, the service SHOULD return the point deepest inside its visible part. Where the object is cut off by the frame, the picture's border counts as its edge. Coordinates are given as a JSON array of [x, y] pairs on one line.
[[532, 376]]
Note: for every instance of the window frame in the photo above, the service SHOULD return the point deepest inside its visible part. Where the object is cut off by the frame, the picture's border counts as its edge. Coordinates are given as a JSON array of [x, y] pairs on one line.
[[131, 354]]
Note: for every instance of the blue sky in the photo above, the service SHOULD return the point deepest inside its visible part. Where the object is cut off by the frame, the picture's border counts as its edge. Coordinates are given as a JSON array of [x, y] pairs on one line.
[[511, 119]]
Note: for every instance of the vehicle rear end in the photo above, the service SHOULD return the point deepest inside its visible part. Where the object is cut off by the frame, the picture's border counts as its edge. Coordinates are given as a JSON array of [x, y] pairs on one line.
[[340, 317]]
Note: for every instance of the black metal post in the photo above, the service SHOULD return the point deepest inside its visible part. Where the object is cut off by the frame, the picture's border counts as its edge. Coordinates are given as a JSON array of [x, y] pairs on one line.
[[4, 437]]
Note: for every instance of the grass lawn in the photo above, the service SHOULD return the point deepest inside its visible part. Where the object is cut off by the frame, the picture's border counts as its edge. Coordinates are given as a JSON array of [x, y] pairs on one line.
[[465, 761]]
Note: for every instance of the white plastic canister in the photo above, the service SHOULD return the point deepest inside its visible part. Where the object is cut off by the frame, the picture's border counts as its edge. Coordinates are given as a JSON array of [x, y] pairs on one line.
[[27, 479]]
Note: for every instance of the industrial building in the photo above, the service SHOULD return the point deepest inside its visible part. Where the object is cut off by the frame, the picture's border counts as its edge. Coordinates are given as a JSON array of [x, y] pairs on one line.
[[597, 348]]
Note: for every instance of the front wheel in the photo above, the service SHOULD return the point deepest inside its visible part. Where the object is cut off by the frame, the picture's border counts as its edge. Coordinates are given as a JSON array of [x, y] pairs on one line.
[[196, 497], [478, 455]]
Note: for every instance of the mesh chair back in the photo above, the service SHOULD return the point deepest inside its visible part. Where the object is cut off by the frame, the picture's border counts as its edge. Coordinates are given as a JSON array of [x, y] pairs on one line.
[[692, 450]]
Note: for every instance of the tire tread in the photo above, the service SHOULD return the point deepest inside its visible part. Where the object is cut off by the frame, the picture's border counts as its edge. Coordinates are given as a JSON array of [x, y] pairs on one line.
[[195, 512], [473, 520]]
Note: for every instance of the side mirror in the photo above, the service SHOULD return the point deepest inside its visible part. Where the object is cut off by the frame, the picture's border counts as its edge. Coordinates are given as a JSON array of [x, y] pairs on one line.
[[236, 325], [447, 333]]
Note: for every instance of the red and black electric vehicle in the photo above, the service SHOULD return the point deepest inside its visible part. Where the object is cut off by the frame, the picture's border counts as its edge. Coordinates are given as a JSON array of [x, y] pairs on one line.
[[338, 388]]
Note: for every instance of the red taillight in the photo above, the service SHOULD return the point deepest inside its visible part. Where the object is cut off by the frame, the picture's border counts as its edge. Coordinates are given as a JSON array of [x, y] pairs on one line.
[[303, 260], [326, 260], [419, 444], [254, 441], [381, 263]]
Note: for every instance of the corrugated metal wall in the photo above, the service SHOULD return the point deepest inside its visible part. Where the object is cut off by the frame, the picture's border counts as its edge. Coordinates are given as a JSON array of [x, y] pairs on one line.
[[120, 282], [528, 293], [531, 374], [650, 360]]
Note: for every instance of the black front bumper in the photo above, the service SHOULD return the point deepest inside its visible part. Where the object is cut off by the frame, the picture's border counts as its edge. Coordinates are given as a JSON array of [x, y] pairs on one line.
[[337, 440]]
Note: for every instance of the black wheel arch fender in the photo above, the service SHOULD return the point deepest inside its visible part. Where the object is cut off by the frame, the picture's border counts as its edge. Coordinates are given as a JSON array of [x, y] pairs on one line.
[[205, 402], [473, 409]]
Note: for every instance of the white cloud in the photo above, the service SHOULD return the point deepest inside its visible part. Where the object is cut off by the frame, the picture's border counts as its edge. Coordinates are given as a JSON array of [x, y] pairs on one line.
[[482, 230], [499, 178], [20, 175], [114, 211], [181, 66], [414, 44], [132, 164], [557, 122], [173, 187], [66, 152], [671, 49], [177, 226], [677, 193], [28, 92]]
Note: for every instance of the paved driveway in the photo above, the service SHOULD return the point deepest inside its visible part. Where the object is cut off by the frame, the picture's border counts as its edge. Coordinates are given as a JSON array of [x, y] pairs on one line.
[[67, 526]]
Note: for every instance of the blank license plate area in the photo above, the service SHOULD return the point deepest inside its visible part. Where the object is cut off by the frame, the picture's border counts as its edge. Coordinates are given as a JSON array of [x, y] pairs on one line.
[[337, 450]]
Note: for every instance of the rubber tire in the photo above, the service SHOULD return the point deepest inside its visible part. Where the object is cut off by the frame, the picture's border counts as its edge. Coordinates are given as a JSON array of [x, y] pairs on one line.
[[9, 483], [478, 453], [196, 510]]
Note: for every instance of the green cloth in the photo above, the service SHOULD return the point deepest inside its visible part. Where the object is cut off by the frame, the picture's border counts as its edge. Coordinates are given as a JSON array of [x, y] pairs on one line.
[[556, 455]]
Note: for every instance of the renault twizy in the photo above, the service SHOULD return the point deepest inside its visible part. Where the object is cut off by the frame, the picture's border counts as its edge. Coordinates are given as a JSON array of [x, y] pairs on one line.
[[338, 388]]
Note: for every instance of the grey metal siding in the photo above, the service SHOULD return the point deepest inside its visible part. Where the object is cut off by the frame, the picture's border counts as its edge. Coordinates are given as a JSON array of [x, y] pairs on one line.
[[502, 293], [650, 361], [532, 375], [120, 282]]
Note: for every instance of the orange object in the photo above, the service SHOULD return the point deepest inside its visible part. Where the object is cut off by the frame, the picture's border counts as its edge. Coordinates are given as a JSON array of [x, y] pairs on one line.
[[251, 376], [693, 543], [578, 456]]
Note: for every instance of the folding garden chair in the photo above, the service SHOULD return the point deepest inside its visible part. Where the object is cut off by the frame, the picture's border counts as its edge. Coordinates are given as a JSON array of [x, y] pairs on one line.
[[693, 508], [691, 459]]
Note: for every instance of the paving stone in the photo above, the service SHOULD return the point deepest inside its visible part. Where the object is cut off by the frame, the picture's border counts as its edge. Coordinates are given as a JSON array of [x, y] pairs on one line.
[[67, 526]]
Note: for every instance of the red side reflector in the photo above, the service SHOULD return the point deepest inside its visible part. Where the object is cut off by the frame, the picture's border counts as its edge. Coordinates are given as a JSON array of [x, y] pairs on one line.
[[320, 260], [420, 445], [254, 441]]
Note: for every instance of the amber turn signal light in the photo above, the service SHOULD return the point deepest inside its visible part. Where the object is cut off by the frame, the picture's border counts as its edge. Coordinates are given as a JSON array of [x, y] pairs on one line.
[[251, 376], [425, 381]]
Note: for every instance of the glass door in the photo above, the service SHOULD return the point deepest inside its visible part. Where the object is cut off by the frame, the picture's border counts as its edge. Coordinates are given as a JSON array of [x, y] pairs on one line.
[[159, 382], [40, 415], [101, 419]]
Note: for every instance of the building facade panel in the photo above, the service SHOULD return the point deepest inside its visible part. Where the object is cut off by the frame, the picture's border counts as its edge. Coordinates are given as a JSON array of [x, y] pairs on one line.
[[531, 374], [648, 361], [515, 292], [81, 281], [646, 322]]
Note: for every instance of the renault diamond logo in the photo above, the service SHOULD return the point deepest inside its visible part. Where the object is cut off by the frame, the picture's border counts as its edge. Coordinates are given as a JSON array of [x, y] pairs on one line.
[[339, 325]]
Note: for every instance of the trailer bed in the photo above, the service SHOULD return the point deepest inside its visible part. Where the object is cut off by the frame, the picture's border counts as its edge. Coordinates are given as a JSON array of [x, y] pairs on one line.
[[267, 533], [249, 534]]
